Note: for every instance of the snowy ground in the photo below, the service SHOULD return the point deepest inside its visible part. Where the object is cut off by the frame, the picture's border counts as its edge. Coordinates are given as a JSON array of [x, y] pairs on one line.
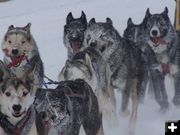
[[48, 18]]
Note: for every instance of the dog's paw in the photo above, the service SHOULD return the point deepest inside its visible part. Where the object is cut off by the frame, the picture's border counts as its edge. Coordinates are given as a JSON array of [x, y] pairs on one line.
[[164, 108], [176, 101], [131, 132], [125, 113]]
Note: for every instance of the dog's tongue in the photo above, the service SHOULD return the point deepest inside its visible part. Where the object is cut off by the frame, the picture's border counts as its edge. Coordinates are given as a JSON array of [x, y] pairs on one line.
[[47, 127], [76, 46], [155, 40], [158, 41], [16, 60]]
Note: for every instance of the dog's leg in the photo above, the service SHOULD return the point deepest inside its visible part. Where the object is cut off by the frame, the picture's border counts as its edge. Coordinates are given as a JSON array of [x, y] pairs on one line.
[[176, 99], [159, 89], [94, 127], [111, 106], [125, 98], [144, 86], [135, 102], [100, 131]]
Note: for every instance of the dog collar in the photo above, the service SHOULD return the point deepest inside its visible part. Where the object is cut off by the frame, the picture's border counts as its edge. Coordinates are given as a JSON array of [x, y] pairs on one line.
[[21, 128]]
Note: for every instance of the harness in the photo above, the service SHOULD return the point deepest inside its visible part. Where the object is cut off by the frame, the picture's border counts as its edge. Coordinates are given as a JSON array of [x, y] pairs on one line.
[[22, 127], [165, 68]]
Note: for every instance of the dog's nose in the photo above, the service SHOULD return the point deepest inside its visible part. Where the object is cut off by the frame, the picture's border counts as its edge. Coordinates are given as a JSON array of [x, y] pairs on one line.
[[15, 51], [53, 117], [93, 44], [43, 115], [74, 36], [17, 108], [154, 32]]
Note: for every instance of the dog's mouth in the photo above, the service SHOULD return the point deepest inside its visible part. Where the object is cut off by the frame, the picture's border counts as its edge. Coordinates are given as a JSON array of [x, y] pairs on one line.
[[76, 46], [158, 41], [17, 114], [16, 60]]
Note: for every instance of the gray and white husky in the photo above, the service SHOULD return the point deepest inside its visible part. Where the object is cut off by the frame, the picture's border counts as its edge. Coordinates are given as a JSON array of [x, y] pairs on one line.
[[163, 39], [17, 115], [125, 60], [90, 66], [74, 33], [21, 53]]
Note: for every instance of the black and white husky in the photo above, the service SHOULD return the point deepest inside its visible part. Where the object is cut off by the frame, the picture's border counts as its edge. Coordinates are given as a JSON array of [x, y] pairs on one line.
[[163, 39], [74, 33], [68, 107]]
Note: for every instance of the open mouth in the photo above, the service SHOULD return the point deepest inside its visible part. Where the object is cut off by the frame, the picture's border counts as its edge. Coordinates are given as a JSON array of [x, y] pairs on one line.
[[76, 46], [16, 60], [158, 41], [17, 114]]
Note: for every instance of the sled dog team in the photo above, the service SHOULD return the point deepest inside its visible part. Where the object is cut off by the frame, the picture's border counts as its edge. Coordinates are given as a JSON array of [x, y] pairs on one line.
[[99, 62]]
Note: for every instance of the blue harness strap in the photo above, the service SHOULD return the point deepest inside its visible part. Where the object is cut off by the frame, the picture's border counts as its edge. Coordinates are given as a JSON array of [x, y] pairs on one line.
[[50, 82]]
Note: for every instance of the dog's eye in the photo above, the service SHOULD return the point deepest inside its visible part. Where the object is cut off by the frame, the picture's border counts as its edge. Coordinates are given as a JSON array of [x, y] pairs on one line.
[[9, 41], [8, 94], [25, 94], [23, 42], [81, 29], [67, 30]]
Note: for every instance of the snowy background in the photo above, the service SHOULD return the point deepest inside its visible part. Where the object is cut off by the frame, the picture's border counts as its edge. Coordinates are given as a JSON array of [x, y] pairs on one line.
[[48, 18]]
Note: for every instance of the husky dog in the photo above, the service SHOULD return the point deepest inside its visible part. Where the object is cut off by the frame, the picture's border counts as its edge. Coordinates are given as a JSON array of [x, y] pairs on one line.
[[17, 116], [90, 66], [163, 39], [21, 53], [125, 60], [74, 33], [67, 107], [136, 33]]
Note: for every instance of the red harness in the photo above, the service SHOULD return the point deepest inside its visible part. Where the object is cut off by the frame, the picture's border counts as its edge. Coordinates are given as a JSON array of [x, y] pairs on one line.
[[165, 68]]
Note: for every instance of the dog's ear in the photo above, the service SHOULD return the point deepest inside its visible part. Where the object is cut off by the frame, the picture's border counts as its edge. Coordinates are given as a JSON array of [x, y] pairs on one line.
[[165, 11], [83, 17], [69, 18], [130, 22], [11, 27], [92, 21], [147, 13], [4, 72], [27, 27], [108, 20]]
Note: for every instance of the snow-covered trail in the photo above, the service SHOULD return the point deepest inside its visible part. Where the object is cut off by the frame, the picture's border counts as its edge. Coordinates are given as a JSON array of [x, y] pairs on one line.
[[48, 18]]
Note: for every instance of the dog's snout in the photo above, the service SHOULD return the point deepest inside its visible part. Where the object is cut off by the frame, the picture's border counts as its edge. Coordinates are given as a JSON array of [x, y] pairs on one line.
[[17, 108], [93, 44], [43, 115], [15, 51], [75, 36], [53, 117], [154, 32]]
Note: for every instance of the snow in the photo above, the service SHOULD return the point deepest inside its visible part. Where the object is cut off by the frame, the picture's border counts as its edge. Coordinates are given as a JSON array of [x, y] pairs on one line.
[[48, 18]]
